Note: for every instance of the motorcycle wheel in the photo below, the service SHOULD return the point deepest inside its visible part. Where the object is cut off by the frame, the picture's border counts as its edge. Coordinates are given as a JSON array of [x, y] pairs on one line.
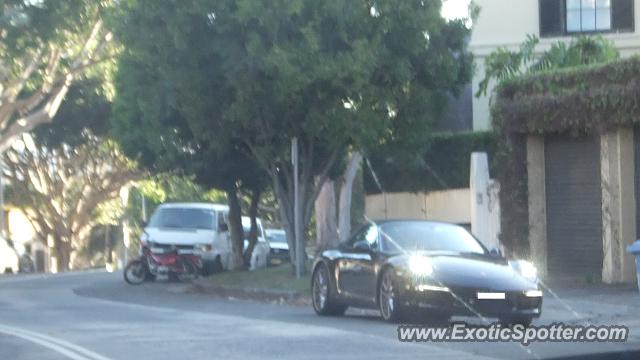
[[190, 272], [135, 273]]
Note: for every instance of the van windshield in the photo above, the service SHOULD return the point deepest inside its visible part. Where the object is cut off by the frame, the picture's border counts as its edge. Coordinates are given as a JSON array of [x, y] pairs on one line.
[[183, 218]]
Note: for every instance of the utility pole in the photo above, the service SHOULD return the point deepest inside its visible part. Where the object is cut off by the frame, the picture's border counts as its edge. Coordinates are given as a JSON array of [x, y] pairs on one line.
[[297, 225], [144, 208], [2, 217]]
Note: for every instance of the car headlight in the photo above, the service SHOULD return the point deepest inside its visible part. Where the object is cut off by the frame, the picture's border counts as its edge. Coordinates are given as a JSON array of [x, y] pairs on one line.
[[204, 247], [526, 269], [420, 265]]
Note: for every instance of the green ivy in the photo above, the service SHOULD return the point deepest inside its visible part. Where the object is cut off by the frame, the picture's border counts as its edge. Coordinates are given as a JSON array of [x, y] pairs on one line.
[[591, 98]]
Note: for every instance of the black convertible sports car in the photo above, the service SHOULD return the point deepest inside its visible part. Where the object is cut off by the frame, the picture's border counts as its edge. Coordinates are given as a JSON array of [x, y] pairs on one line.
[[434, 268]]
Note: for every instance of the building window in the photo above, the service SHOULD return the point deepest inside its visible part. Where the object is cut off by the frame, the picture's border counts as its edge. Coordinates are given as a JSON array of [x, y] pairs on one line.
[[588, 15], [567, 17]]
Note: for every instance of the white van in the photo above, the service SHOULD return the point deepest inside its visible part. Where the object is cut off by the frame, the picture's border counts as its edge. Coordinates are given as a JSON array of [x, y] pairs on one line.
[[198, 226]]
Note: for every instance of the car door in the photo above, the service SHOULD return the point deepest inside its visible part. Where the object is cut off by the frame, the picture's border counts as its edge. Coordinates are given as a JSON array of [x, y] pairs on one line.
[[356, 268]]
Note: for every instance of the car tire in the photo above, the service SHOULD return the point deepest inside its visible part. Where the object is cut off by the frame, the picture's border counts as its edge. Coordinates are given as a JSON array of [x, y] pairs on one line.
[[389, 297], [516, 320], [322, 297]]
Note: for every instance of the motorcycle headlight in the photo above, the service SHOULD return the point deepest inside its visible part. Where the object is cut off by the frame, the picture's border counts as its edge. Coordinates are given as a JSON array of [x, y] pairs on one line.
[[526, 269], [420, 265], [144, 239]]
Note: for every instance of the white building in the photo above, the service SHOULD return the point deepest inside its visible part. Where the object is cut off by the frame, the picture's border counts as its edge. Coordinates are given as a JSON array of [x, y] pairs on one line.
[[508, 22]]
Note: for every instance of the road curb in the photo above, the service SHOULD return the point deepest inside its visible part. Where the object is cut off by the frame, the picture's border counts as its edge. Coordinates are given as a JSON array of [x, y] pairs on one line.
[[257, 294]]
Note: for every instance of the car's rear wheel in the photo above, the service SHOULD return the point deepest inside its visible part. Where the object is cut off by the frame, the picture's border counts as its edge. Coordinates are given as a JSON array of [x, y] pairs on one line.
[[391, 308], [322, 294]]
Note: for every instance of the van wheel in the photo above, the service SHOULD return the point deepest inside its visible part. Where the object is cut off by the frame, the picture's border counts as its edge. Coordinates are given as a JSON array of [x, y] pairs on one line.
[[217, 267]]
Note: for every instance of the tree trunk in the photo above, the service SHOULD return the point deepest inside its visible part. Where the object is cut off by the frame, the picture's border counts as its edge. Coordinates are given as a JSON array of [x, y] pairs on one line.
[[283, 199], [236, 231], [346, 191], [63, 253], [107, 245], [253, 233], [325, 206], [282, 177]]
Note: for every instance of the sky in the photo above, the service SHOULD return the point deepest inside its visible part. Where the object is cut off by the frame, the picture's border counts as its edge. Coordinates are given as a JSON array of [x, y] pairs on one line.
[[455, 9]]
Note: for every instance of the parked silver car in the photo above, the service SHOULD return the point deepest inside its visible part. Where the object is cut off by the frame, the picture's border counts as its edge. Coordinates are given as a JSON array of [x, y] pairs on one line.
[[279, 248]]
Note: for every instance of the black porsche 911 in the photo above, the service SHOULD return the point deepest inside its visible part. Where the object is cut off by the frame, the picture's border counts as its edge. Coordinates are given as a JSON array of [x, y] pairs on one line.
[[434, 268]]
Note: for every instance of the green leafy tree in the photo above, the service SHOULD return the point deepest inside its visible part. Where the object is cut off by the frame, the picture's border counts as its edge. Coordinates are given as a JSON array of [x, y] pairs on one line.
[[45, 46], [504, 64], [334, 74], [62, 172], [151, 129]]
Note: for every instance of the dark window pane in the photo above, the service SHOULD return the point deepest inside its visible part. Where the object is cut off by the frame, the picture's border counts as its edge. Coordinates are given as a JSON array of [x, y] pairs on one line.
[[622, 15], [551, 17]]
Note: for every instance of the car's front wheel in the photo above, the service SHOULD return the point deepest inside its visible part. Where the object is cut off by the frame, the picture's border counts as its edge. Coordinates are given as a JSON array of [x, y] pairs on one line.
[[516, 320], [322, 294], [391, 308]]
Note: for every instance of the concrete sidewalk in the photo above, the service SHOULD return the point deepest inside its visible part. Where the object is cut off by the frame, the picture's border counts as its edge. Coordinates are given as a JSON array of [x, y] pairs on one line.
[[596, 304]]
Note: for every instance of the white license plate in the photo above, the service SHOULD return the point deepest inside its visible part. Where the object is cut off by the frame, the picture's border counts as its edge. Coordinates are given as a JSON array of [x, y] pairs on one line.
[[491, 296]]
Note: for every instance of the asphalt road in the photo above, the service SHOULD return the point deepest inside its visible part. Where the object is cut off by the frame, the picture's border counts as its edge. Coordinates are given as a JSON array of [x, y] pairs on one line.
[[97, 316]]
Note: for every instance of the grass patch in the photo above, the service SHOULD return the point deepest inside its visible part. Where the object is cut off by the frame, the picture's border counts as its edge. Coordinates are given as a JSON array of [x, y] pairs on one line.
[[280, 278]]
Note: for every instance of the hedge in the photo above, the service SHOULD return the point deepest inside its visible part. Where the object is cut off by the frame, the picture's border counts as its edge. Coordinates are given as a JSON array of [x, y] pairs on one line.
[[444, 164], [581, 99]]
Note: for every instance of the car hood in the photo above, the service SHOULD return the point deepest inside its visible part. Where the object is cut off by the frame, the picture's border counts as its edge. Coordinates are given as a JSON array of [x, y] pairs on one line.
[[279, 245], [476, 272], [173, 236]]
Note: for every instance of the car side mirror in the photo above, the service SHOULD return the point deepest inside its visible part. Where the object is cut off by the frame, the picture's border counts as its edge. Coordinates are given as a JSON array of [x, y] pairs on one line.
[[362, 246], [224, 227], [495, 252]]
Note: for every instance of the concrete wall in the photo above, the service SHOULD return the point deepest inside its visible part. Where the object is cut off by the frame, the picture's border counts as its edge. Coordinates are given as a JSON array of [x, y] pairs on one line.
[[485, 202], [448, 205], [537, 202], [618, 204], [507, 23]]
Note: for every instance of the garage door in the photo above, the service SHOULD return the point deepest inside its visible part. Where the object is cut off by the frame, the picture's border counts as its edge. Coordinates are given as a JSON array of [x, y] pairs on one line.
[[574, 206]]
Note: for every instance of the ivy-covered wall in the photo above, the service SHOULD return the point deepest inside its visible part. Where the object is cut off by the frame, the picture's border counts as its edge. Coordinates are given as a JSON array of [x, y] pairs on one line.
[[444, 164], [581, 100]]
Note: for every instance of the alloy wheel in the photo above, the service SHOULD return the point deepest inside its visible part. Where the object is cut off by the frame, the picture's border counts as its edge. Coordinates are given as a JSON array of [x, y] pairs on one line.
[[387, 297], [320, 289]]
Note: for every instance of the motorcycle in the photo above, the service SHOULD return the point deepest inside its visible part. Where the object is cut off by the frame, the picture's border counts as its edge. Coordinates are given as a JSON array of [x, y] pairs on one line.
[[169, 260]]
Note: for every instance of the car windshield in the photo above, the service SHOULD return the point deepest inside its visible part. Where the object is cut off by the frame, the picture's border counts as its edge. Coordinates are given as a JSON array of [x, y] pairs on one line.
[[426, 236], [183, 218], [277, 237]]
